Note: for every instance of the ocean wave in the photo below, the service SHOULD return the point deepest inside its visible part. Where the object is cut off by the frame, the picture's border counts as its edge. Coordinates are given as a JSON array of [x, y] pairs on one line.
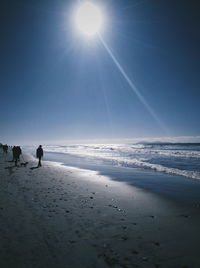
[[123, 149], [161, 168], [139, 155]]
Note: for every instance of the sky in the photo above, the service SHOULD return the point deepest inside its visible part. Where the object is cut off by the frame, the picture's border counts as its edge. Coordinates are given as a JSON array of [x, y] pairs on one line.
[[58, 85]]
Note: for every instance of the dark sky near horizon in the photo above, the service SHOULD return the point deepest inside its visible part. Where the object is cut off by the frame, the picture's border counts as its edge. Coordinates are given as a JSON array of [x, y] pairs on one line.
[[56, 85]]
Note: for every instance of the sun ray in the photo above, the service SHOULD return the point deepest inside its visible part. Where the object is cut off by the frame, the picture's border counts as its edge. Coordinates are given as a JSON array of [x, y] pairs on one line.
[[133, 87]]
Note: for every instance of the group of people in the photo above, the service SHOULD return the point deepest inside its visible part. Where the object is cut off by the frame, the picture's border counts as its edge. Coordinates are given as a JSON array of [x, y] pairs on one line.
[[17, 151]]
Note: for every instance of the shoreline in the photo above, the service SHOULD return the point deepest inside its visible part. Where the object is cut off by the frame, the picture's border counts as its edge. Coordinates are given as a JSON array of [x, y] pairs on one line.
[[60, 216], [171, 186]]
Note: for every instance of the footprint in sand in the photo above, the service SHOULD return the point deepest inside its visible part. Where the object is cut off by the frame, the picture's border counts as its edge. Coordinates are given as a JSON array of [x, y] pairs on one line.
[[72, 241], [134, 252], [185, 216], [124, 238], [144, 258], [156, 244], [111, 261], [152, 216]]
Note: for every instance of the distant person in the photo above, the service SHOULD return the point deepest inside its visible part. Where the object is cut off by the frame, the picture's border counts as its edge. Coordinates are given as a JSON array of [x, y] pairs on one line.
[[13, 153], [16, 154], [39, 155], [19, 152], [5, 148]]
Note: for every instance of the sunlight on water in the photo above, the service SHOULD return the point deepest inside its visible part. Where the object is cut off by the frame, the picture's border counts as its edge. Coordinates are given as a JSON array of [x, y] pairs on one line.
[[179, 159]]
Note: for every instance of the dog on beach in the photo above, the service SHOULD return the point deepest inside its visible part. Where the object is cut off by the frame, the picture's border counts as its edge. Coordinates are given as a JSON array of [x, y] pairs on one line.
[[24, 164]]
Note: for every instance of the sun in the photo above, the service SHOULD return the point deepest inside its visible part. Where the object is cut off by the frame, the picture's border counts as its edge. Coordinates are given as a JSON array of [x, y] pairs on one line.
[[89, 19]]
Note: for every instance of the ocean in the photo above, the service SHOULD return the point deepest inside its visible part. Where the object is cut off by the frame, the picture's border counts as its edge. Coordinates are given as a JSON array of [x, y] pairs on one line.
[[181, 159]]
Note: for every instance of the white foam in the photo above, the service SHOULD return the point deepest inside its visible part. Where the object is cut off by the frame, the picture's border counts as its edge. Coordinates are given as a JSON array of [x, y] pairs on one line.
[[127, 155]]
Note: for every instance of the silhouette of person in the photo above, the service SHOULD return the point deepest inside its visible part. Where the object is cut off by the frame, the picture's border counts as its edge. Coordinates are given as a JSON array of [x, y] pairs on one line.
[[19, 151], [16, 153], [5, 148], [13, 152], [39, 155]]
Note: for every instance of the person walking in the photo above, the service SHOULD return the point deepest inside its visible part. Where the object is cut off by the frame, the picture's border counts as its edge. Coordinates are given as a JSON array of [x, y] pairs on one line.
[[16, 154], [13, 152], [39, 155], [5, 148], [19, 152]]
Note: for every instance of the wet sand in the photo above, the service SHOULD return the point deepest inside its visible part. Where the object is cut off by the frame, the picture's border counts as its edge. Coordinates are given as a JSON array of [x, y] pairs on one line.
[[58, 216]]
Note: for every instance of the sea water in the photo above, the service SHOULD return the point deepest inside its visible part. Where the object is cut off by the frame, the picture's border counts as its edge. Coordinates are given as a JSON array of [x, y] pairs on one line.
[[172, 158]]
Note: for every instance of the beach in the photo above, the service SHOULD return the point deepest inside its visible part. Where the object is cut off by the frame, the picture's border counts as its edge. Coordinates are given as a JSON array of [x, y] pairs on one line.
[[62, 216]]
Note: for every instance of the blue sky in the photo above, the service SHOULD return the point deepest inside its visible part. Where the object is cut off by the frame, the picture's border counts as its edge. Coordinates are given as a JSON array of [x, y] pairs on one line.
[[58, 85]]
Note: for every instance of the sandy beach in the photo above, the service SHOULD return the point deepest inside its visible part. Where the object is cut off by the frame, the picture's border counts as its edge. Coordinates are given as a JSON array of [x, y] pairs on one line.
[[58, 216], [100, 134]]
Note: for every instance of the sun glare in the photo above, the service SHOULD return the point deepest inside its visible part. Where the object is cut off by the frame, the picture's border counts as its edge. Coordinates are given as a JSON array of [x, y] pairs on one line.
[[89, 18]]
